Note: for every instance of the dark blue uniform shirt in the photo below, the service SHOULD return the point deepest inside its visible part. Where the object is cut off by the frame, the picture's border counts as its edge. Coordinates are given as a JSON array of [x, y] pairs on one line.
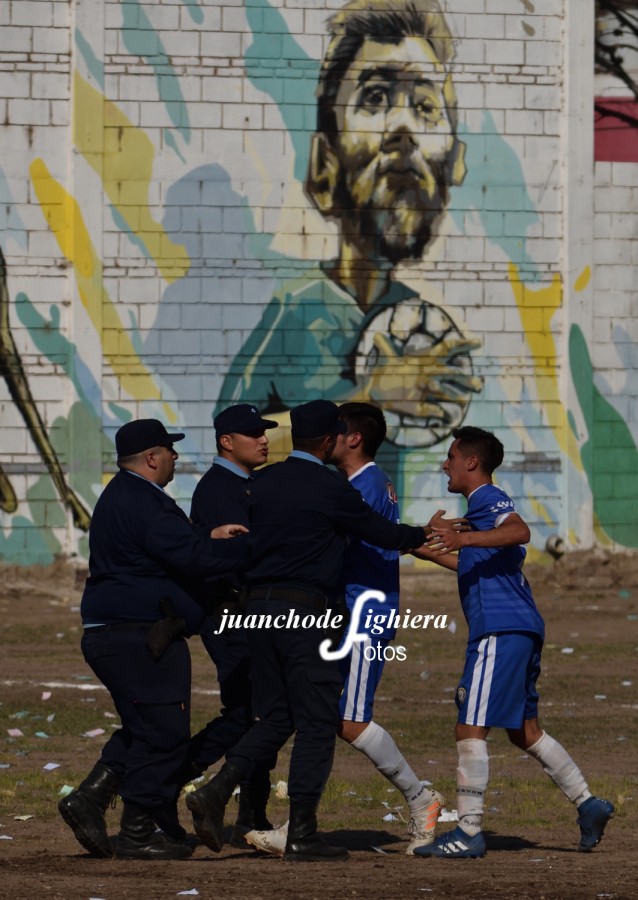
[[301, 514], [143, 548]]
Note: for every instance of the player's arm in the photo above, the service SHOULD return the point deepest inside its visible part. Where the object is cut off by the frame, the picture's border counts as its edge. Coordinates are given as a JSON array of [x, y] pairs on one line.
[[446, 560], [511, 532]]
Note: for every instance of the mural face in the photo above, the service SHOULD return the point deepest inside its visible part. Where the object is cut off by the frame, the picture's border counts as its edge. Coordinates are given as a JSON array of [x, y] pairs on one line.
[[271, 205]]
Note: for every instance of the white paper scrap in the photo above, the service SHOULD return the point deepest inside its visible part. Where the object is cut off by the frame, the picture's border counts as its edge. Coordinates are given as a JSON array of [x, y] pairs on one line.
[[192, 893], [95, 732], [51, 766], [46, 695]]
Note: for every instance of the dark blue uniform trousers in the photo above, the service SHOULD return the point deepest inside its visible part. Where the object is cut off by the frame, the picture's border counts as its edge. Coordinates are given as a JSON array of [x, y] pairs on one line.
[[231, 654], [152, 698], [294, 692]]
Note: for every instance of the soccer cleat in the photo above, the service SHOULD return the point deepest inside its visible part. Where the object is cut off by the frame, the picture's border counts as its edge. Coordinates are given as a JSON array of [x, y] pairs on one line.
[[423, 822], [272, 842], [593, 815], [455, 845]]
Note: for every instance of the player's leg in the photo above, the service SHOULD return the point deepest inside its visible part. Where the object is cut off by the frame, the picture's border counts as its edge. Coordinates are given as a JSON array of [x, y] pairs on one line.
[[593, 812], [491, 694], [362, 673]]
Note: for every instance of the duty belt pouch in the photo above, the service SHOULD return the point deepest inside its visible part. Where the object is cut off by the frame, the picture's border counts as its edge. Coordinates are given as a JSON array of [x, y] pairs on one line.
[[339, 607], [166, 630]]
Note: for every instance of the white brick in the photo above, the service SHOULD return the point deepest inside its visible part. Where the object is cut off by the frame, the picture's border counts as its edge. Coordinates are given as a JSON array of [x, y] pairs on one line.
[[542, 97], [542, 53], [31, 12], [55, 87], [29, 112], [504, 96], [51, 40], [15, 84], [523, 122], [481, 26], [221, 44], [15, 40], [244, 116], [505, 53]]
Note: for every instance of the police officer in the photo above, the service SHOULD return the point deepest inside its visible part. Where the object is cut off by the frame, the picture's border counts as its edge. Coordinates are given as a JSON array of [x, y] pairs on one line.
[[223, 495], [137, 603], [301, 514]]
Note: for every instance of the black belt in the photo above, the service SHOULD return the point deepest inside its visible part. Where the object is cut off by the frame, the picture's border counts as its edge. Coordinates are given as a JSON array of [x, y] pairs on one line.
[[291, 596], [118, 626]]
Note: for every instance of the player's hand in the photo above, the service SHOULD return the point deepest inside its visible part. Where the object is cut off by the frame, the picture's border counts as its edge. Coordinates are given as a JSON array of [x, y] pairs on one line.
[[443, 541], [223, 532], [438, 523]]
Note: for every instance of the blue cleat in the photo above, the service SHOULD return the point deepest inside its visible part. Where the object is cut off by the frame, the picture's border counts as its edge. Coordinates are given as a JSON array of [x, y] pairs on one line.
[[593, 815], [455, 845]]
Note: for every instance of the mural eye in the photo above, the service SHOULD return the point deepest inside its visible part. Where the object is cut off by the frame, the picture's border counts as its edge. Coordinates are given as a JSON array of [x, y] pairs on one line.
[[374, 97]]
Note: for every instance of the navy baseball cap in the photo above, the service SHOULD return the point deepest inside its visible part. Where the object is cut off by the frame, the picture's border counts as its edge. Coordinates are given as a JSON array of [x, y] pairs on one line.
[[316, 418], [241, 419], [142, 434]]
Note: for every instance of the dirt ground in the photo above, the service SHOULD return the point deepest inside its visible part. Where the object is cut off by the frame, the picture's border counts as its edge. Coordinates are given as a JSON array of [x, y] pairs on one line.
[[588, 692]]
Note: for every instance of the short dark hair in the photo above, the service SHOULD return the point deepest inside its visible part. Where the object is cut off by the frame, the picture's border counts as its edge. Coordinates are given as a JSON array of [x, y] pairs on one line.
[[481, 443], [369, 421], [390, 21]]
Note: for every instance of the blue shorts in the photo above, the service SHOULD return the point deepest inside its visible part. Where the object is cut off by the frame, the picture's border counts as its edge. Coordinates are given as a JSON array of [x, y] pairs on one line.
[[361, 671], [498, 686]]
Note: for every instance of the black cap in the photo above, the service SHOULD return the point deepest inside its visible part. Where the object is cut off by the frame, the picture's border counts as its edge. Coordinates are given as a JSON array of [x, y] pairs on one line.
[[241, 419], [142, 434], [316, 418]]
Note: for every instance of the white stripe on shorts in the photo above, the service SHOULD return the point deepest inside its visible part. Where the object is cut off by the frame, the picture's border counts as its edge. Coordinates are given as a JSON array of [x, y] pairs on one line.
[[480, 691], [356, 697]]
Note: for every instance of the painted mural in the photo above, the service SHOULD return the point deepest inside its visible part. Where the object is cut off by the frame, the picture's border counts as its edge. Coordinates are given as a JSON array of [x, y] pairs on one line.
[[272, 205]]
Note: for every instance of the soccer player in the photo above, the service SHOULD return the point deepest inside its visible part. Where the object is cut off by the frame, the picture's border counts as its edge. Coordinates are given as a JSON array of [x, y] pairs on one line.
[[498, 685]]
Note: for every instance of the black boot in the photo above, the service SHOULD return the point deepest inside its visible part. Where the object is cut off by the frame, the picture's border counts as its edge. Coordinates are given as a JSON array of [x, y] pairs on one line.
[[251, 815], [208, 805], [138, 838], [84, 810], [167, 818], [304, 844]]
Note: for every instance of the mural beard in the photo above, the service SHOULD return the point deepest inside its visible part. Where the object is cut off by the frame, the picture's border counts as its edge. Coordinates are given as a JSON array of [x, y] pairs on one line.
[[399, 218]]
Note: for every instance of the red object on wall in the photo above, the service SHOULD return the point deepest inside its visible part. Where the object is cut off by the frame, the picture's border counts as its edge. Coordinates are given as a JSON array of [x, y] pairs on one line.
[[615, 137]]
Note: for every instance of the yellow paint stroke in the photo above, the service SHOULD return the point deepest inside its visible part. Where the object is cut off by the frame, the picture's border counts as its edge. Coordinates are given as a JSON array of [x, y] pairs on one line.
[[65, 221], [583, 280], [122, 155], [537, 308], [540, 511]]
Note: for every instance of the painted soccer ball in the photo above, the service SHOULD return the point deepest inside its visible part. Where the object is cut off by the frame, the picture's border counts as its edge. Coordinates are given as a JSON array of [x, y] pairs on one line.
[[416, 329]]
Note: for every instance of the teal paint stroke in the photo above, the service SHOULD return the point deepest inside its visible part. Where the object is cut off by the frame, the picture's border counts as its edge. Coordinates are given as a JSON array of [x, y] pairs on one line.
[[495, 188], [11, 225], [609, 455], [172, 143], [48, 338], [141, 39], [194, 11], [27, 543], [277, 65], [94, 65]]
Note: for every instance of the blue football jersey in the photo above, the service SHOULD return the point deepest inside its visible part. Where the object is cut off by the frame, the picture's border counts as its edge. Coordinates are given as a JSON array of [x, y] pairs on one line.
[[371, 568], [494, 592]]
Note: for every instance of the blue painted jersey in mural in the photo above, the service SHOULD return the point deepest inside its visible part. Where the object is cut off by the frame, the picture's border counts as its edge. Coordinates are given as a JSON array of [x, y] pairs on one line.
[[303, 348], [494, 592], [366, 567]]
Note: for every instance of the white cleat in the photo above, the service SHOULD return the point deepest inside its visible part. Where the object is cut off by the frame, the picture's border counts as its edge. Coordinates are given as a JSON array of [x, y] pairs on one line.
[[423, 823], [272, 842]]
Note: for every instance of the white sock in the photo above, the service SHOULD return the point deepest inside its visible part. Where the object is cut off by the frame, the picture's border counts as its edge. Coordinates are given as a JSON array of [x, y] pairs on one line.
[[472, 774], [380, 748], [561, 768]]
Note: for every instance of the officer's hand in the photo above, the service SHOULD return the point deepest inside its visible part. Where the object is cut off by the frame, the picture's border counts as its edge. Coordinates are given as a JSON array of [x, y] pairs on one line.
[[438, 523], [228, 531]]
